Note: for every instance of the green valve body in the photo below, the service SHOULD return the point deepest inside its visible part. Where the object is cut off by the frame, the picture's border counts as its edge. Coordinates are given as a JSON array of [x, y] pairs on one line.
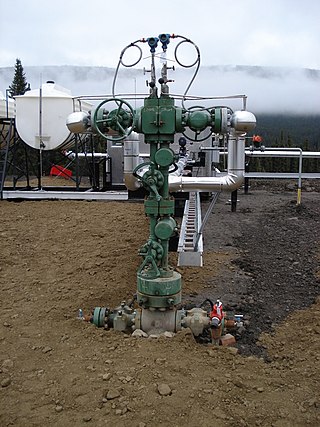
[[199, 120], [159, 119], [165, 228], [158, 285]]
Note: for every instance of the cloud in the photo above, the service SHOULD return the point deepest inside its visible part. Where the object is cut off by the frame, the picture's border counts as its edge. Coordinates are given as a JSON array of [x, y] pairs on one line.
[[269, 89], [76, 32], [278, 39]]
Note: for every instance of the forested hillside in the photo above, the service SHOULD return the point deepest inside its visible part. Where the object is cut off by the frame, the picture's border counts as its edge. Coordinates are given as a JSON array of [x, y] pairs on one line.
[[289, 130], [276, 131]]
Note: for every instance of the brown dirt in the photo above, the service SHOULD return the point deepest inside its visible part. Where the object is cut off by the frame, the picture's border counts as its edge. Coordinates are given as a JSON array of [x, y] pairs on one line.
[[56, 370]]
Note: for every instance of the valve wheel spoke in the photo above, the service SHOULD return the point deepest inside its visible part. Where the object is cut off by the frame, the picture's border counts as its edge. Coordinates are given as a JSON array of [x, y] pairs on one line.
[[121, 128], [119, 108]]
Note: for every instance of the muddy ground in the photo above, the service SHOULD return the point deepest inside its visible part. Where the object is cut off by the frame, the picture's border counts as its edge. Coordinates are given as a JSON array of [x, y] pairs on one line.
[[56, 370]]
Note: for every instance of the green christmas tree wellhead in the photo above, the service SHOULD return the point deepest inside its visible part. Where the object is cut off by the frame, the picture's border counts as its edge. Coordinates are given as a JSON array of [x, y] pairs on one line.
[[19, 83]]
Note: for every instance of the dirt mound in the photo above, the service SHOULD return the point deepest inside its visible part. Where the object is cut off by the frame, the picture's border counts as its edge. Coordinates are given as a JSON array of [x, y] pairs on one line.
[[56, 370]]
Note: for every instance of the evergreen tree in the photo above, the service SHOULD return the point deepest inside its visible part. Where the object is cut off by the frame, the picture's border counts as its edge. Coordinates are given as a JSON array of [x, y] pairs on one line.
[[19, 83]]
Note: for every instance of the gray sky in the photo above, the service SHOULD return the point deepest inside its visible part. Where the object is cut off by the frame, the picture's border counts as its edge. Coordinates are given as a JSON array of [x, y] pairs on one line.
[[266, 33], [78, 32]]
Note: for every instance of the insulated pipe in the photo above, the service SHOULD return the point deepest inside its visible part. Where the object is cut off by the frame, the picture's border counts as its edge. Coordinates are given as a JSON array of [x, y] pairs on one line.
[[208, 163], [131, 160], [180, 164], [215, 153], [229, 182]]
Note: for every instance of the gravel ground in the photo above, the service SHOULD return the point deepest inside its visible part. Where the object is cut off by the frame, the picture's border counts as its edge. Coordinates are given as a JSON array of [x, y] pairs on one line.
[[262, 261], [277, 246]]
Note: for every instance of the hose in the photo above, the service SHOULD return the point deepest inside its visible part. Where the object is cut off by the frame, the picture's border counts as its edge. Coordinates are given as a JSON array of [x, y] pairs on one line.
[[209, 301], [197, 61], [133, 44]]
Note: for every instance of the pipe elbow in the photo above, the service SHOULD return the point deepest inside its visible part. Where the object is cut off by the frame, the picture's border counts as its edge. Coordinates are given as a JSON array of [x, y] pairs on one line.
[[131, 182], [232, 182]]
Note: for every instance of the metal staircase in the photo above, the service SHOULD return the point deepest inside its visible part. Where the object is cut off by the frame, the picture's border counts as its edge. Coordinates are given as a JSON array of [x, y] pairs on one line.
[[190, 246]]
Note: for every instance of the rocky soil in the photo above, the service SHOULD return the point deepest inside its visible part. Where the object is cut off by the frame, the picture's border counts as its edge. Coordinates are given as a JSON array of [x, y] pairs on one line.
[[56, 370]]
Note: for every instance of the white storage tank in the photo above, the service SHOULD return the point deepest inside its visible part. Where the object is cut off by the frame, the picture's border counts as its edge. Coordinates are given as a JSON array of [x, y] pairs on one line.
[[6, 107], [55, 104]]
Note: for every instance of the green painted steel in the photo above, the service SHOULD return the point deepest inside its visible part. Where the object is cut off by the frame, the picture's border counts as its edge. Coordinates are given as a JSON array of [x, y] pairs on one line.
[[151, 207], [161, 285], [158, 120], [99, 315], [158, 302], [165, 228], [199, 120], [158, 285], [160, 292], [217, 120], [119, 120], [164, 157], [166, 207]]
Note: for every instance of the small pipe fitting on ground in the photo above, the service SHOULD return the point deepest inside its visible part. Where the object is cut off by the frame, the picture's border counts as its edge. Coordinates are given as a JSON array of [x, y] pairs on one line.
[[197, 320], [120, 319]]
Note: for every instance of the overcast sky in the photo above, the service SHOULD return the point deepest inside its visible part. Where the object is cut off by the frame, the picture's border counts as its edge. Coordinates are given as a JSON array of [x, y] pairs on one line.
[[93, 32], [268, 33]]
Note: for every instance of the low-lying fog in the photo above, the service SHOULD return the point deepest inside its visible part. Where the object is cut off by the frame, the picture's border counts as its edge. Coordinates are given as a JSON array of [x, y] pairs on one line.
[[269, 89]]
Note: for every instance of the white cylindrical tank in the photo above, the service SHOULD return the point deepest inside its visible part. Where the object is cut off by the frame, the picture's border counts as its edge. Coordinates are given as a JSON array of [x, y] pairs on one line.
[[6, 107], [41, 114]]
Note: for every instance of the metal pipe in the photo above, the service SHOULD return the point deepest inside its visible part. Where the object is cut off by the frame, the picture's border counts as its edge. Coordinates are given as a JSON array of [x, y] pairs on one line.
[[289, 153], [41, 145], [272, 152], [7, 103], [208, 163], [73, 155], [234, 199], [229, 182], [131, 160], [180, 164], [299, 179], [76, 156]]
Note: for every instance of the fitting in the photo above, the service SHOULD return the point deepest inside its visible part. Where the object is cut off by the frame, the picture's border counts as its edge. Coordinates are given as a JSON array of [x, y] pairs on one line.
[[197, 320]]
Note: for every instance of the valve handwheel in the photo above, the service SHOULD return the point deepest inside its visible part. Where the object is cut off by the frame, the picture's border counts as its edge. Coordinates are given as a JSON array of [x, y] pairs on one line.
[[119, 119]]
